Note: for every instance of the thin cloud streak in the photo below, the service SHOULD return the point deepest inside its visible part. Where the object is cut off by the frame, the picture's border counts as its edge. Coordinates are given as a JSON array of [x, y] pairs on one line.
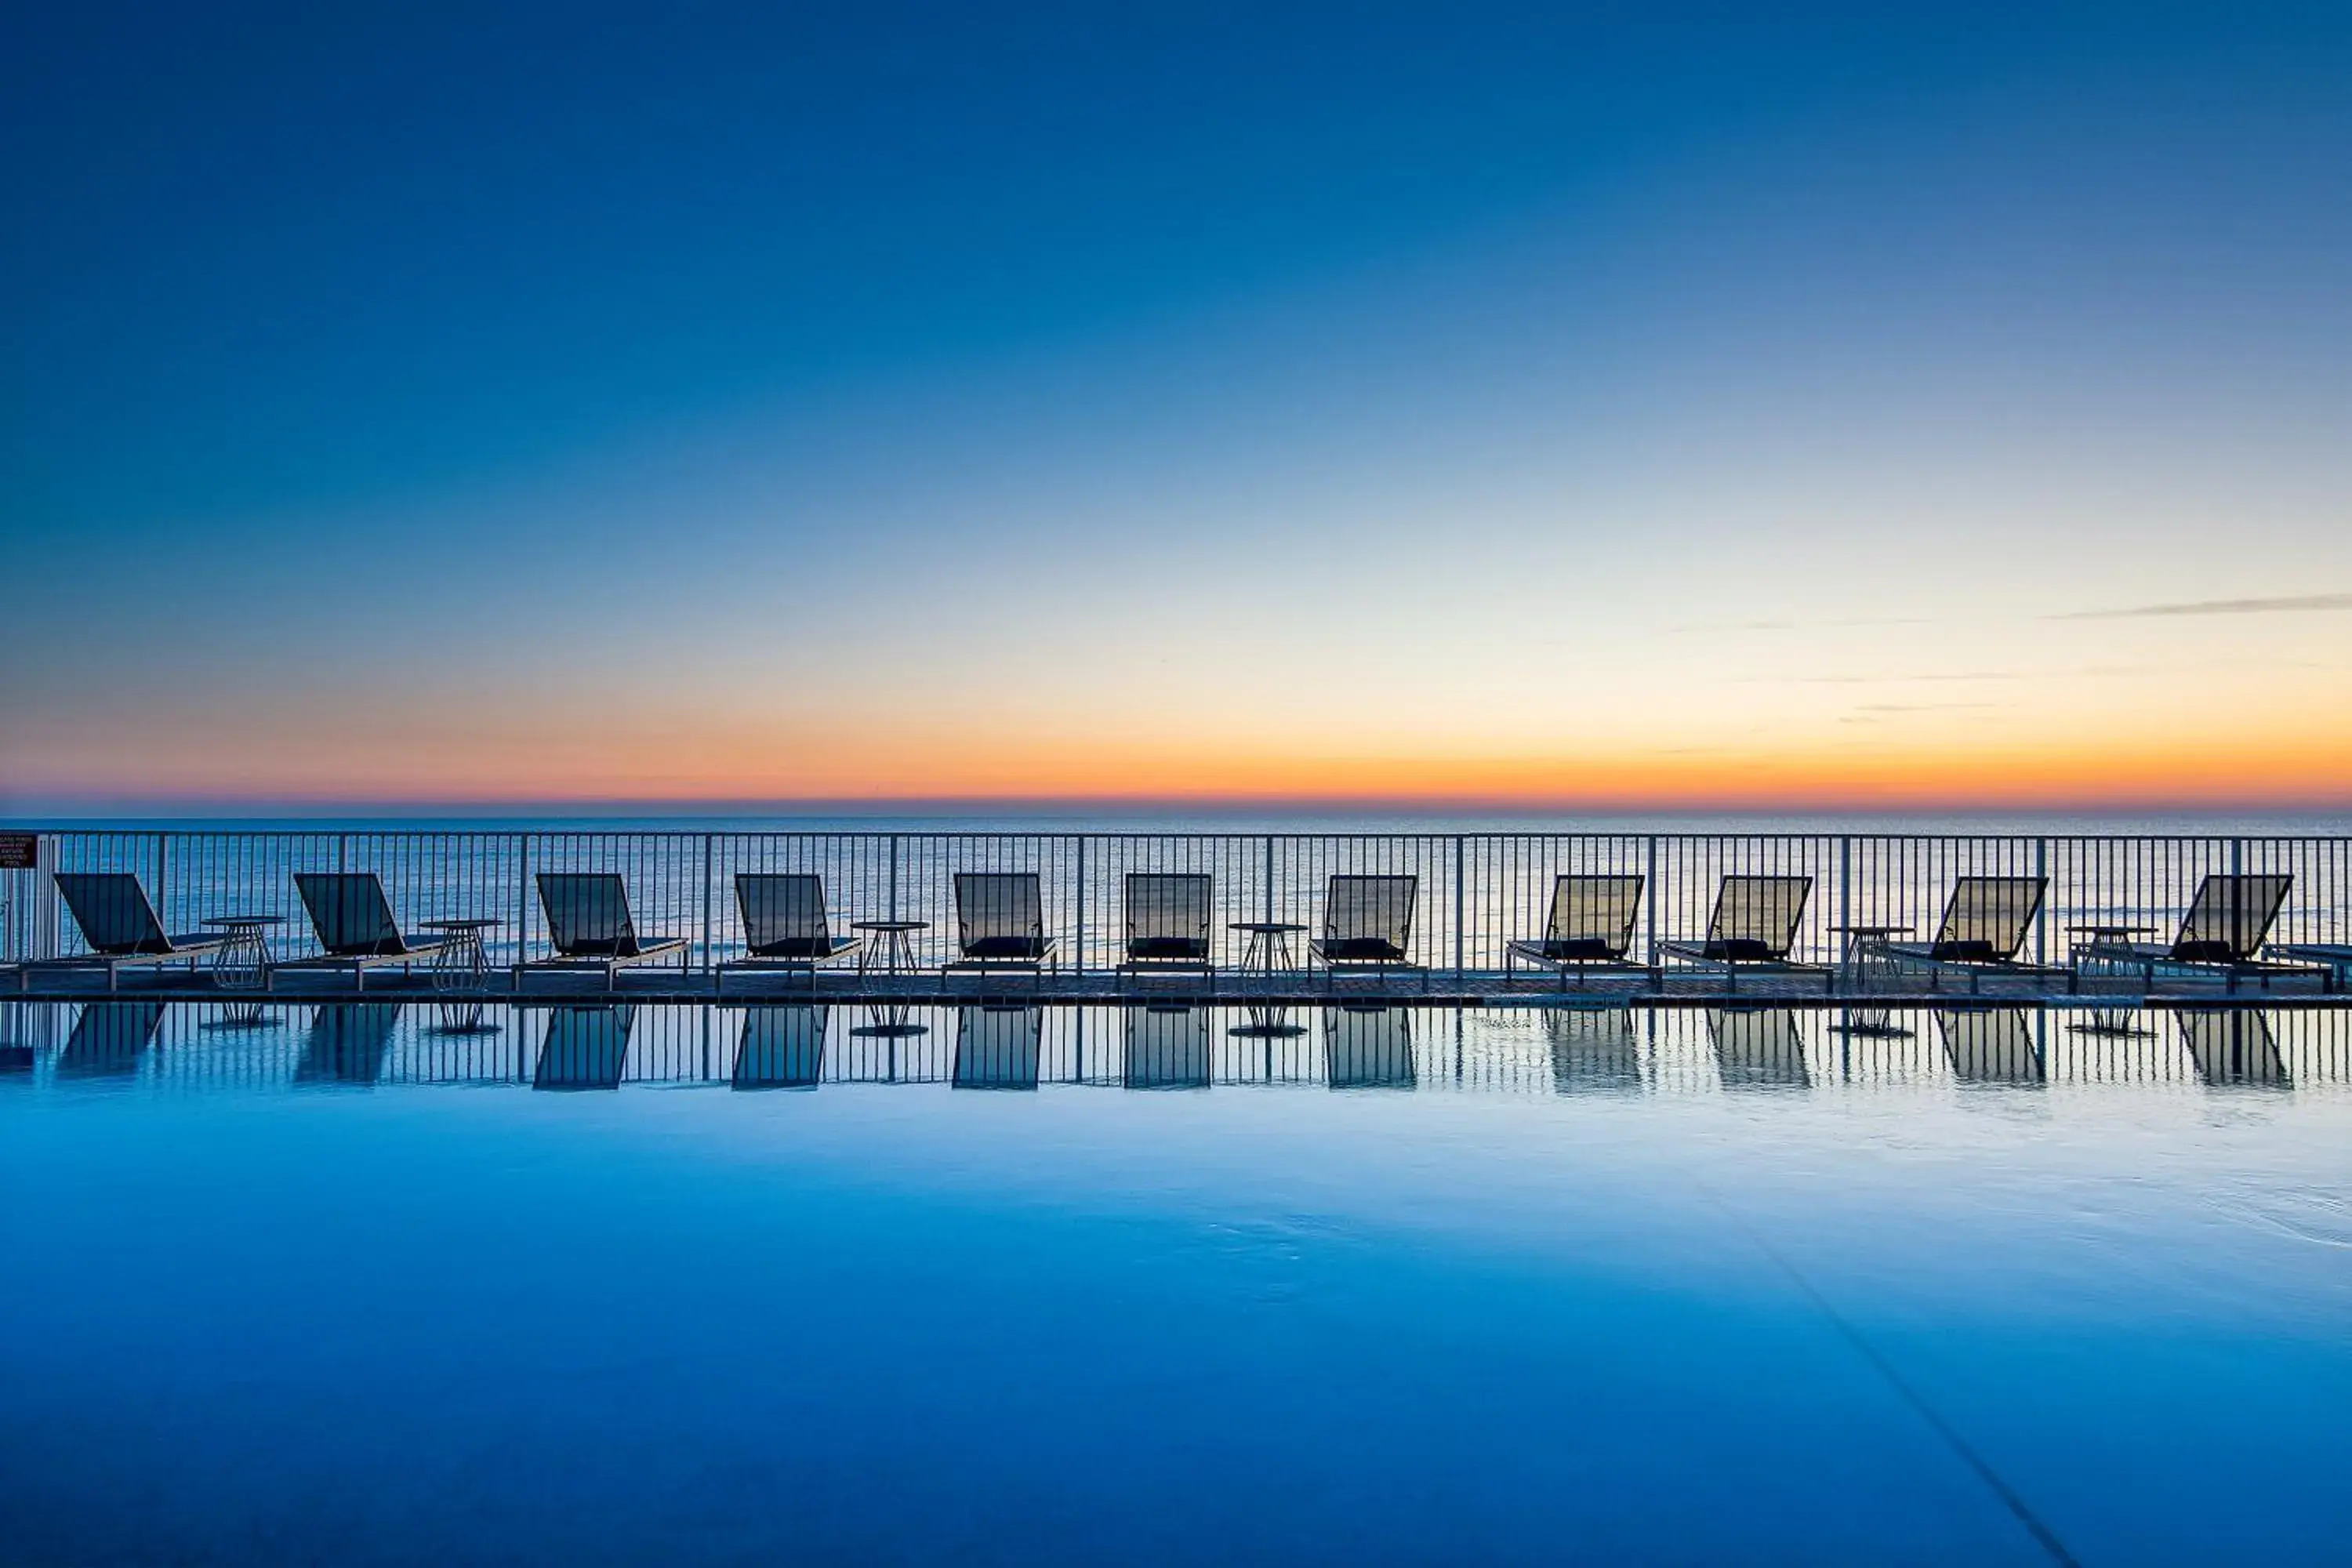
[[2290, 603]]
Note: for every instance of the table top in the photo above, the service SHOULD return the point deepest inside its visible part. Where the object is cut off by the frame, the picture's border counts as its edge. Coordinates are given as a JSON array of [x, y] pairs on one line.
[[460, 925], [233, 922], [889, 925], [1265, 928], [1871, 930]]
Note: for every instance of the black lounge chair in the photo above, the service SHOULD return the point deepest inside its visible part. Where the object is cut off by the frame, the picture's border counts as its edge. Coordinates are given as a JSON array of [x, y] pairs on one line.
[[1168, 922], [588, 925], [1001, 924], [1592, 926], [998, 1047], [785, 924], [586, 1048], [1985, 925], [120, 927], [1753, 927], [2333, 958], [1991, 1044], [1164, 1046], [355, 926], [1368, 924], [2221, 934], [1368, 1045], [782, 1047]]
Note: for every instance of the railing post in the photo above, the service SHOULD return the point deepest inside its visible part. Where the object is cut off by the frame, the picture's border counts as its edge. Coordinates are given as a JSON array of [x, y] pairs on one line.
[[1650, 895], [894, 879], [709, 841], [522, 904], [1080, 962], [1845, 891], [162, 890], [1457, 909], [2042, 913]]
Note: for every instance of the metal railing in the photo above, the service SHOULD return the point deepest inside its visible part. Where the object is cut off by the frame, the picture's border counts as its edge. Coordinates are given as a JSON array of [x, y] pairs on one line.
[[1475, 892]]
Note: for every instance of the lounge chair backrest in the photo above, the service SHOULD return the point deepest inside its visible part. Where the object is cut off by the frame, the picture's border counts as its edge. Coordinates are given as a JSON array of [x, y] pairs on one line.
[[1988, 917], [1756, 917], [1167, 906], [1600, 910], [996, 904], [2229, 917], [349, 912], [1369, 908], [782, 911], [588, 914], [112, 911]]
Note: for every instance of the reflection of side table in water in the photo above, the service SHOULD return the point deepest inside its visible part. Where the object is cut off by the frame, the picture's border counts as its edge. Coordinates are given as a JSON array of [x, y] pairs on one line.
[[890, 1023], [461, 963], [890, 945], [1866, 964], [243, 961]]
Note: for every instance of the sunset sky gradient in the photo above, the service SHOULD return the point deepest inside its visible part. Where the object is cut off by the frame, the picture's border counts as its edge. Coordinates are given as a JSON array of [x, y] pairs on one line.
[[1620, 407]]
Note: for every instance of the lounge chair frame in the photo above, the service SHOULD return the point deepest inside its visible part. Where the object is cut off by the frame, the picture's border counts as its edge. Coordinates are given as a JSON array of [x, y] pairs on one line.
[[352, 918], [590, 927], [786, 925], [1368, 925], [1591, 926], [1001, 924], [1167, 916], [116, 919], [1753, 927], [2220, 935]]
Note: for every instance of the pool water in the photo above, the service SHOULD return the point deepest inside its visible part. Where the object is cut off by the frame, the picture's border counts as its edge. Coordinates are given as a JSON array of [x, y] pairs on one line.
[[308, 1284]]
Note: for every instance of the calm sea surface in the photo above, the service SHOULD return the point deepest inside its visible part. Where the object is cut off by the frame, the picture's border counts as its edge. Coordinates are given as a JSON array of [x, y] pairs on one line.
[[349, 1285]]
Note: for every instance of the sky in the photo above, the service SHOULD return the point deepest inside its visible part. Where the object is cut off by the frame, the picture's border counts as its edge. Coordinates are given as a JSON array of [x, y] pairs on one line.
[[1612, 406]]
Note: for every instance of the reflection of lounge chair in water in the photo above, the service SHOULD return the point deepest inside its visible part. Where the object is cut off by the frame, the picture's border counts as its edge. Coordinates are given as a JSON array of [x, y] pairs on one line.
[[1985, 924], [2226, 925], [1758, 1047], [2233, 1045], [1991, 1044], [998, 1047], [1368, 1047], [120, 927], [586, 1048], [1591, 927], [1754, 927], [1165, 1046], [782, 1047], [1593, 1048], [347, 1043], [108, 1038]]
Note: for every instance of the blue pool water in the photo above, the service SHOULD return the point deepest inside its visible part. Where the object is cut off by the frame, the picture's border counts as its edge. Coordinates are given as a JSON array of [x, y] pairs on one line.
[[1551, 1290]]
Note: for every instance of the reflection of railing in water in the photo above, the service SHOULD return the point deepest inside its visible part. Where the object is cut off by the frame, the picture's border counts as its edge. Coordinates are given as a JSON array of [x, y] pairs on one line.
[[1170, 1046], [1475, 892]]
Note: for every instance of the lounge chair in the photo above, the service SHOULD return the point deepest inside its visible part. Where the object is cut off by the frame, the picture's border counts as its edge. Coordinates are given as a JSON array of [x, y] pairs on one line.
[[785, 924], [2221, 934], [782, 1047], [1168, 922], [1753, 927], [347, 1043], [1000, 922], [586, 1048], [1985, 925], [1368, 924], [2333, 958], [1164, 1046], [588, 925], [1367, 1046], [1758, 1047], [120, 927], [1592, 926], [998, 1047], [1991, 1044], [355, 926]]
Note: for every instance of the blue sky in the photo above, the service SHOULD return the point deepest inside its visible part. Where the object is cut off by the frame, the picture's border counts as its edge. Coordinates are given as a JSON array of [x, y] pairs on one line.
[[1416, 403]]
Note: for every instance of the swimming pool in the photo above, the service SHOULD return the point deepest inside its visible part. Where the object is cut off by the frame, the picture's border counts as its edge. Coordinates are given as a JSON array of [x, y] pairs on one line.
[[354, 1285]]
